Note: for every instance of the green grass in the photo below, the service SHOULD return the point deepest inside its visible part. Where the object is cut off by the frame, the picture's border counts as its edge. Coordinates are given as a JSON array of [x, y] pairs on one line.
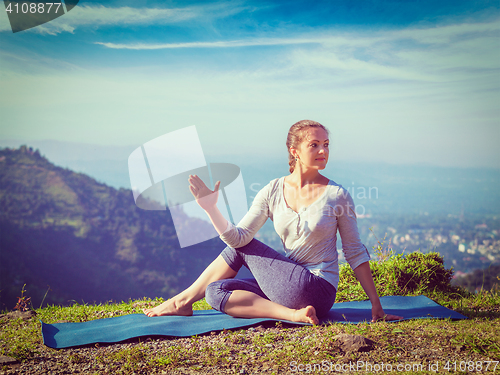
[[271, 350], [476, 338]]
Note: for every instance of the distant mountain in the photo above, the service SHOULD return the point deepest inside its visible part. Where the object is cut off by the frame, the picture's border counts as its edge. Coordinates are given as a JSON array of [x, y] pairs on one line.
[[84, 240], [107, 164]]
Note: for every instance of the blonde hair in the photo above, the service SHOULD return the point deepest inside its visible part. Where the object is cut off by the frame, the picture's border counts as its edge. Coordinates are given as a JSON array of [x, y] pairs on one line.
[[296, 136]]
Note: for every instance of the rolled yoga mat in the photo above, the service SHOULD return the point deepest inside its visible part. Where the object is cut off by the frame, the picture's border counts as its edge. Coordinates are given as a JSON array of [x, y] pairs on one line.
[[112, 330]]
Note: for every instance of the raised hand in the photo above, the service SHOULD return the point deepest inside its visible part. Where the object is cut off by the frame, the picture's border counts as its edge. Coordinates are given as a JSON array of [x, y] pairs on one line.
[[205, 197]]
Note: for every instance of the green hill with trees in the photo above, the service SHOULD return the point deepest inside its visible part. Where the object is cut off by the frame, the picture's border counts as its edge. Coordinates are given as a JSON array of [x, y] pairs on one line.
[[71, 238]]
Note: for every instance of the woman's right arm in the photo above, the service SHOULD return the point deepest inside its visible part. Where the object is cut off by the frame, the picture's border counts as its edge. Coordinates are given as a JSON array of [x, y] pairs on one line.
[[254, 219], [234, 236], [207, 199]]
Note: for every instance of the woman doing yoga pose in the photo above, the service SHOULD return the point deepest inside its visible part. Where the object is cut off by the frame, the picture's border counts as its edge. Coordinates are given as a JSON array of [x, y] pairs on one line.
[[307, 210]]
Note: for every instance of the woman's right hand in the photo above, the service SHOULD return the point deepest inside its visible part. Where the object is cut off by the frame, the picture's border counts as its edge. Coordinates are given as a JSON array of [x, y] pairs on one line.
[[205, 197]]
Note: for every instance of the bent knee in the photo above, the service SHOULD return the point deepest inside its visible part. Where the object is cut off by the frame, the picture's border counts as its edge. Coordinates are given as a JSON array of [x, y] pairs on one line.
[[216, 296]]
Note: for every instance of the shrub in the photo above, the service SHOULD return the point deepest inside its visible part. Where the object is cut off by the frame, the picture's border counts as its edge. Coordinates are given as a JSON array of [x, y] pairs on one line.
[[414, 274]]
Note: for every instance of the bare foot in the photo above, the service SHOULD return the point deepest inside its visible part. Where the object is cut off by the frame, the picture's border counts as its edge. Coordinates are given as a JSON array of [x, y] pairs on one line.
[[169, 307], [306, 315]]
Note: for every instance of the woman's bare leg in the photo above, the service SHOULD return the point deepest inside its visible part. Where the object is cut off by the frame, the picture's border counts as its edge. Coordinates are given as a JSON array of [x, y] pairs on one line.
[[182, 303], [244, 304]]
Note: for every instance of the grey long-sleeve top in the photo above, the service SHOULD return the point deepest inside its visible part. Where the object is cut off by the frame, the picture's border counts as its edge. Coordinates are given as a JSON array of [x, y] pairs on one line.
[[309, 236]]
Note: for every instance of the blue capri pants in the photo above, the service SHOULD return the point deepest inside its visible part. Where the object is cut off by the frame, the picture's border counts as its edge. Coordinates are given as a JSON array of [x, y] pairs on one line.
[[277, 278]]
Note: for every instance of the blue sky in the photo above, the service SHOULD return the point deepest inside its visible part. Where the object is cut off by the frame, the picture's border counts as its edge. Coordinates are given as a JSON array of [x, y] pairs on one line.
[[395, 81]]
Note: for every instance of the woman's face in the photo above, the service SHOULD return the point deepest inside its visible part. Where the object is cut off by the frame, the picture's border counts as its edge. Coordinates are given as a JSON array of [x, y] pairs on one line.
[[313, 150]]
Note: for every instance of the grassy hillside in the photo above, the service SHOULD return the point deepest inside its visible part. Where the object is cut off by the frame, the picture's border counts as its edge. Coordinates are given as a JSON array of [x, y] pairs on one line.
[[416, 346], [72, 240]]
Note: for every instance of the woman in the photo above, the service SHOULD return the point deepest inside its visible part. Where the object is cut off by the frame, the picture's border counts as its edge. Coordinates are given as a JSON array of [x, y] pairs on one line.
[[307, 209]]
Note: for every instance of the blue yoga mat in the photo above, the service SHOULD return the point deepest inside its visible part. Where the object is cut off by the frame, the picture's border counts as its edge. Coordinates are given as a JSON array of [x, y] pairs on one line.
[[111, 330]]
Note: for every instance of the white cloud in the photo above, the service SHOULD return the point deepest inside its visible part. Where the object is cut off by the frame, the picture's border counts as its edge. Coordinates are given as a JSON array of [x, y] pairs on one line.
[[99, 16], [446, 34], [326, 40], [220, 44], [433, 54], [438, 54], [411, 95]]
